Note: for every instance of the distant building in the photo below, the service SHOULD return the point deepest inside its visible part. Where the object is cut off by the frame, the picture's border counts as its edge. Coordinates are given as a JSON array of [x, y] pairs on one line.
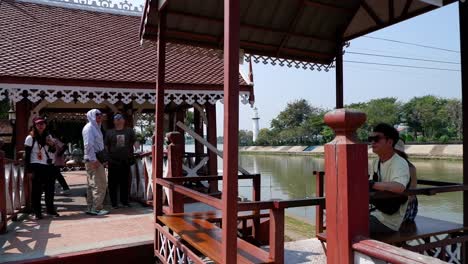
[[255, 119]]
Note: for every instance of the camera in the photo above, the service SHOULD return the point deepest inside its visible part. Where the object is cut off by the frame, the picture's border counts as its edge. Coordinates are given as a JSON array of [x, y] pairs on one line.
[[49, 162]]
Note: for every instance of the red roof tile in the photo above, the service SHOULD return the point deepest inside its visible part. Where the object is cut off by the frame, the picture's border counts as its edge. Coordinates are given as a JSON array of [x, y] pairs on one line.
[[41, 41]]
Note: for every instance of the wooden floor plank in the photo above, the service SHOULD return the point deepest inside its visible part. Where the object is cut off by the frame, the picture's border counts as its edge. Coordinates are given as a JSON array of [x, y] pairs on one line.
[[206, 238]]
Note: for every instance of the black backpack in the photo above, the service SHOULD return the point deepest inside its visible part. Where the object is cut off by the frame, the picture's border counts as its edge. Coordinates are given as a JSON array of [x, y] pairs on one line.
[[388, 205]]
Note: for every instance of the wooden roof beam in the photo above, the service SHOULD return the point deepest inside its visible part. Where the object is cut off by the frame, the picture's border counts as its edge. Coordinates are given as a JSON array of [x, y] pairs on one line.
[[292, 24], [391, 10], [406, 8], [249, 26], [333, 7], [371, 13]]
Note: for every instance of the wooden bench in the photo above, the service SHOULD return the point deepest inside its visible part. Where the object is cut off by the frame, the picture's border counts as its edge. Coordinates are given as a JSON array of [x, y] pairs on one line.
[[205, 237], [424, 228]]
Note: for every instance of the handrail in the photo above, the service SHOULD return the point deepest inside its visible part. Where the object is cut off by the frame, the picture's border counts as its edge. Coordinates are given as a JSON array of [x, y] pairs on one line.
[[201, 197], [280, 204], [143, 154], [389, 253], [208, 178], [207, 144], [439, 187]]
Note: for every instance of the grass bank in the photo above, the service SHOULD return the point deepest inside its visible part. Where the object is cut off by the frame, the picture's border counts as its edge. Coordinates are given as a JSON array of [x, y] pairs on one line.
[[297, 229]]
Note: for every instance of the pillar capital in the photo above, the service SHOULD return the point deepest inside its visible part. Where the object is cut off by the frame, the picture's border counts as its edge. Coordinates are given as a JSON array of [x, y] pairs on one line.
[[345, 122]]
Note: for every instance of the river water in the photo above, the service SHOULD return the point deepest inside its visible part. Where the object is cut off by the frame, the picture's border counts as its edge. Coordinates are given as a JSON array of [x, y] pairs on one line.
[[290, 177]]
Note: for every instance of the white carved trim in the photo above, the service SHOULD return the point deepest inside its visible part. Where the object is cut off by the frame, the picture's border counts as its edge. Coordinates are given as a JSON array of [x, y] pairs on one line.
[[67, 94]]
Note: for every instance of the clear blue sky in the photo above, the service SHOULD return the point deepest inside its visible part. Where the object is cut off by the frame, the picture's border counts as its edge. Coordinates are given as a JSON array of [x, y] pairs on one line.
[[275, 86]]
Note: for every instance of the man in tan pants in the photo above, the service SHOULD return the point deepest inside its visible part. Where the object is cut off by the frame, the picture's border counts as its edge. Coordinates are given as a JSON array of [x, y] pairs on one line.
[[97, 180]]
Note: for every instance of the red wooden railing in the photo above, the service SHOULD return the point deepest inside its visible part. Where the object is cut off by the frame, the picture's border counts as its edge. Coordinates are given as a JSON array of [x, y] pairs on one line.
[[15, 188], [367, 248], [276, 208]]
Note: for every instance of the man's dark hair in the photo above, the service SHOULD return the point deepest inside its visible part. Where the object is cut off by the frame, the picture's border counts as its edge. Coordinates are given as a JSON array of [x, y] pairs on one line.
[[388, 131]]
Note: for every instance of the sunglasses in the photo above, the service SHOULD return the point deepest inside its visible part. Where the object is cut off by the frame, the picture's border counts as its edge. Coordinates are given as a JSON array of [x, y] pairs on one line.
[[375, 138]]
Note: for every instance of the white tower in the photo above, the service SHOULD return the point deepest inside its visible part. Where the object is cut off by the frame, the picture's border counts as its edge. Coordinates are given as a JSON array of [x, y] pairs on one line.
[[255, 119]]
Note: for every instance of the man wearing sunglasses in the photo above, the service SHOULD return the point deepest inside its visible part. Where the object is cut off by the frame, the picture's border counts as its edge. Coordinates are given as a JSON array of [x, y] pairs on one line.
[[390, 173]]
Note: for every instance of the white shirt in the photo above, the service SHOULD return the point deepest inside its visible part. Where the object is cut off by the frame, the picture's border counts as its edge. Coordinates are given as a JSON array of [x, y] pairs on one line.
[[395, 169], [36, 150]]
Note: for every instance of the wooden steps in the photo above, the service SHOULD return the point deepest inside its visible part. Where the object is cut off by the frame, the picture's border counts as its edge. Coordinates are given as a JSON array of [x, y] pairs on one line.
[[206, 238]]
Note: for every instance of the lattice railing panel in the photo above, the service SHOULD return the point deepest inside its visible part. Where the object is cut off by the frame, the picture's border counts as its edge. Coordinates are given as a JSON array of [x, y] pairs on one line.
[[170, 250]]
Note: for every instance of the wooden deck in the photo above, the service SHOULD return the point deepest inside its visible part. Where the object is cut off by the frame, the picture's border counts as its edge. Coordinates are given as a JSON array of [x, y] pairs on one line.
[[75, 234], [76, 231]]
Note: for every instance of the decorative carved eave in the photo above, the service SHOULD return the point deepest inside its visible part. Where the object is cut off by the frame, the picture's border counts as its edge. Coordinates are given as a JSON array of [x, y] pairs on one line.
[[68, 94]]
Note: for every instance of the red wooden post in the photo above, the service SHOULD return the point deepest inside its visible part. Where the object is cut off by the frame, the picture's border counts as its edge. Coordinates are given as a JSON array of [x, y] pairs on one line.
[[347, 198], [3, 194], [198, 125], [318, 208], [159, 137], [463, 16], [277, 235], [21, 124], [231, 130], [339, 75], [175, 155], [257, 185], [212, 139]]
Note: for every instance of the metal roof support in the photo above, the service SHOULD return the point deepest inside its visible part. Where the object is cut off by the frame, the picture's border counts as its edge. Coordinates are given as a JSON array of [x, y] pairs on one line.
[[231, 129], [339, 75], [463, 13], [159, 129]]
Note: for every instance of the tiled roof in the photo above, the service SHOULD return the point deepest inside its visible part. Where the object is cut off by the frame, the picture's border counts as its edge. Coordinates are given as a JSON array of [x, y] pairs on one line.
[[47, 42]]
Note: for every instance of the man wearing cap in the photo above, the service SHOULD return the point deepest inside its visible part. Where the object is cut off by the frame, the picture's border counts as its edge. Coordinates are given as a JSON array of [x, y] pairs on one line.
[[97, 182], [390, 172], [119, 143]]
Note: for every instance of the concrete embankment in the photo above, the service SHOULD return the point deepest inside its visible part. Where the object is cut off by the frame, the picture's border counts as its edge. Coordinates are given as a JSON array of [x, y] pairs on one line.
[[453, 151]]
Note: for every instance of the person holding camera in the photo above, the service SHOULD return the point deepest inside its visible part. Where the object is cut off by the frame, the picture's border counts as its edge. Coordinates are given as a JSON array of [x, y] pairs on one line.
[[39, 160], [94, 154]]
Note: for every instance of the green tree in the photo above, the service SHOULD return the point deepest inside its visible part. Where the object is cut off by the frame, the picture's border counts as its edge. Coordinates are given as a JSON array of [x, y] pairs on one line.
[[245, 138], [265, 137], [426, 115], [454, 112], [293, 116], [382, 110]]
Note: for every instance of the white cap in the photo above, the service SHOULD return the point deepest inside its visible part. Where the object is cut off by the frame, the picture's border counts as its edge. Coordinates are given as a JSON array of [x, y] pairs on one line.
[[400, 146]]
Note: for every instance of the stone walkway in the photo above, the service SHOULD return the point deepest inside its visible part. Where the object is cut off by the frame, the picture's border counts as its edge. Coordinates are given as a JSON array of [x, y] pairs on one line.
[[74, 231]]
